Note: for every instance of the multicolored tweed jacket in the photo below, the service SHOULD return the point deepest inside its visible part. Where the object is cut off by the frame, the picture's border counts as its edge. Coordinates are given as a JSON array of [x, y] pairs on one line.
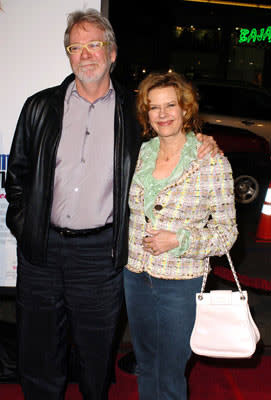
[[201, 201]]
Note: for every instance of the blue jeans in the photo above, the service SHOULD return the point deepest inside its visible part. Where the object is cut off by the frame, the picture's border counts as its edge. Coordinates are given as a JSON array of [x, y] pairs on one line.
[[161, 316]]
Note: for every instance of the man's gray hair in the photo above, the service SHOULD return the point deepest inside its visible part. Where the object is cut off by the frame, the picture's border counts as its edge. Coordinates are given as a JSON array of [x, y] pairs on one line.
[[94, 17]]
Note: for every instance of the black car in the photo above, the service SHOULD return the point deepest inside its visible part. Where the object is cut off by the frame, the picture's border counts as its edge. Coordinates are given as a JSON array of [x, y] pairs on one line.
[[249, 155], [236, 104]]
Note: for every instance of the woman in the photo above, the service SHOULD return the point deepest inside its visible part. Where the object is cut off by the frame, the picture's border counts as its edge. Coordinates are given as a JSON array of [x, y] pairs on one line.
[[178, 204]]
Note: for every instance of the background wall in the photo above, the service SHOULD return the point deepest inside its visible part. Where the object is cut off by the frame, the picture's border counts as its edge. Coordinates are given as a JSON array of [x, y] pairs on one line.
[[32, 58]]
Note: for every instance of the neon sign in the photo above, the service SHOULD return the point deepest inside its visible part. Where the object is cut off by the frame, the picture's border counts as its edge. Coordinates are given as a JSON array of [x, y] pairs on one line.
[[254, 35]]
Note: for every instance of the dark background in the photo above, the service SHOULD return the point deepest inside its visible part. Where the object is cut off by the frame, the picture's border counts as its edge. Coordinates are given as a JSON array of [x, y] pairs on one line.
[[197, 39]]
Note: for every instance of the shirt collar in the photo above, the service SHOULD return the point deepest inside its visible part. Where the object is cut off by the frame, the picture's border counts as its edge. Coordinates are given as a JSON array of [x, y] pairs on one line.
[[72, 91]]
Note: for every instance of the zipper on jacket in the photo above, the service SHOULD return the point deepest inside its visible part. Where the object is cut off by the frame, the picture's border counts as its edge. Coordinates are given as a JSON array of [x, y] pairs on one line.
[[52, 178], [117, 153]]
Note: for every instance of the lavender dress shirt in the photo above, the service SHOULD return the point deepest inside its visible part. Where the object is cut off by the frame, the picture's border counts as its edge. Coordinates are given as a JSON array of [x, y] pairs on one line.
[[83, 186]]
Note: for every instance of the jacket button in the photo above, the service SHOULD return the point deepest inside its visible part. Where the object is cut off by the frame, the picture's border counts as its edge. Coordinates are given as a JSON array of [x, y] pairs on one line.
[[158, 207], [147, 219]]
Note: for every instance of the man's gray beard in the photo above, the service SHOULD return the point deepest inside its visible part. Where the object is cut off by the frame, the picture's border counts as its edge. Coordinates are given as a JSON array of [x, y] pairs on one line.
[[85, 78]]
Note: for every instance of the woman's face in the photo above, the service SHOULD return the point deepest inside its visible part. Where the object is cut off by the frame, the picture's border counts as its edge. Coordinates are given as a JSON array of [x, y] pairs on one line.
[[165, 113]]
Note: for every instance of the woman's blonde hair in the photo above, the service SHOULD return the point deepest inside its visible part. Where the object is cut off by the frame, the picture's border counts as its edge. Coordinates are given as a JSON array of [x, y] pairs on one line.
[[186, 95]]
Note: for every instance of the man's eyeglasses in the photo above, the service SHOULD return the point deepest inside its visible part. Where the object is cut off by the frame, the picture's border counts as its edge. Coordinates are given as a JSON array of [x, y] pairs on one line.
[[91, 47]]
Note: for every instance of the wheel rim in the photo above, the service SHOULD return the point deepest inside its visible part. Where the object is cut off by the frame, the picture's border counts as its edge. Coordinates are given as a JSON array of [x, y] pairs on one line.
[[246, 189]]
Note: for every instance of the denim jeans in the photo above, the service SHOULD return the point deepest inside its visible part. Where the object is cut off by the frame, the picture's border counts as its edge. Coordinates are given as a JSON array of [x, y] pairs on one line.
[[77, 290], [161, 316]]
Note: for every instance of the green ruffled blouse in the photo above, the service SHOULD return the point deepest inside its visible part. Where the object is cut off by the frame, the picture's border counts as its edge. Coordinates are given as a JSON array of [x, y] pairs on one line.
[[153, 186]]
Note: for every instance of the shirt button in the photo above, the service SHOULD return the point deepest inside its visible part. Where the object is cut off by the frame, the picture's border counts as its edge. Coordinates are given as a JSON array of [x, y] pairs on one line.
[[147, 219], [158, 207]]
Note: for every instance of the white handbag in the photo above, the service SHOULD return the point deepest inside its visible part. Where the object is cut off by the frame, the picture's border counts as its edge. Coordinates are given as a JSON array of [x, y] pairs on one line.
[[223, 327]]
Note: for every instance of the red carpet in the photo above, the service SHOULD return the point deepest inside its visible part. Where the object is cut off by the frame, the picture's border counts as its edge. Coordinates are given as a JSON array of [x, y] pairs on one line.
[[208, 380], [231, 380]]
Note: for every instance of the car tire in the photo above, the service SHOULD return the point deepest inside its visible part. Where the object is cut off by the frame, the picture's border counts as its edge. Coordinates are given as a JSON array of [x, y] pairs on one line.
[[246, 189]]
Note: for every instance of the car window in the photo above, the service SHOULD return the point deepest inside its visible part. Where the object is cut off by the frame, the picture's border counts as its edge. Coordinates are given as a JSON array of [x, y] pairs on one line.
[[215, 99], [252, 104], [235, 101]]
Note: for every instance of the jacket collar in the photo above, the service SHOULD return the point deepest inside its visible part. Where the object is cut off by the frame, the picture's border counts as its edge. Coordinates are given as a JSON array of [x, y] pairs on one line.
[[58, 95], [119, 89]]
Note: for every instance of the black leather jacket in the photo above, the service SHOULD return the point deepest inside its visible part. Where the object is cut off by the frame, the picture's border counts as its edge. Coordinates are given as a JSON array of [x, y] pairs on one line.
[[31, 167]]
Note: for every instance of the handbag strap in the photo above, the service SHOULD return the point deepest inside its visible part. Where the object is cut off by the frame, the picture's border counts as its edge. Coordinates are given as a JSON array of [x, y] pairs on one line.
[[207, 269]]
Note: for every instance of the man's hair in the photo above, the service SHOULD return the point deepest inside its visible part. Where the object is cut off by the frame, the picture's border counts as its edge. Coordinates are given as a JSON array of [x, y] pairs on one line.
[[186, 96], [91, 16]]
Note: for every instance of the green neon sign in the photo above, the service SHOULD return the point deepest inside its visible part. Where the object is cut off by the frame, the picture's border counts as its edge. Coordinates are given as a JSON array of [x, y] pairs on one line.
[[254, 35]]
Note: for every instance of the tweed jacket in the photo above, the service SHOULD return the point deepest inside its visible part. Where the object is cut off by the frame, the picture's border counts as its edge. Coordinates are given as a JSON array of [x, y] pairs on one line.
[[201, 201]]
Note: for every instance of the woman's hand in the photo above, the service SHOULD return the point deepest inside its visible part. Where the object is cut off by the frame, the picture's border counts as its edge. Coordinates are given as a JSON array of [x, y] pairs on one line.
[[208, 145], [159, 241]]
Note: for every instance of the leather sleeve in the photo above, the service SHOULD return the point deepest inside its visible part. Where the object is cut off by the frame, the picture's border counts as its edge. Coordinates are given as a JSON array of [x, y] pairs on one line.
[[18, 172]]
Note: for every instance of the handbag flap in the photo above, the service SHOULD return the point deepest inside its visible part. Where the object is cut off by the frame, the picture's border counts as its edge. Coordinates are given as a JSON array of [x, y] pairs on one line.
[[220, 297]]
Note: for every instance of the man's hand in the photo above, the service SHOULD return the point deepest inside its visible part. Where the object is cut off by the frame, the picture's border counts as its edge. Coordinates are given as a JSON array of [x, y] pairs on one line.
[[208, 145], [159, 241]]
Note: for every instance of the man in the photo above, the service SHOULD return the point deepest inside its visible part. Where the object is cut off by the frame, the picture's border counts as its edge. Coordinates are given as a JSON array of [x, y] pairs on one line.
[[70, 167]]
